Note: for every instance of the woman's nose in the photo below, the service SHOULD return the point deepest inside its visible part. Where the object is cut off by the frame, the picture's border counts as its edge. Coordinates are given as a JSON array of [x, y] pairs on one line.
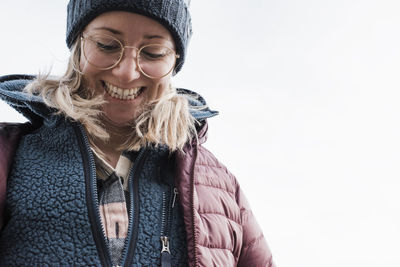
[[127, 69]]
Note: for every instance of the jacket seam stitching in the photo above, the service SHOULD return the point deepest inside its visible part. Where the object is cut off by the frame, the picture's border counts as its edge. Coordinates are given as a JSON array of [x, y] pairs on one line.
[[244, 210], [254, 241], [213, 166], [214, 247], [221, 214], [218, 187]]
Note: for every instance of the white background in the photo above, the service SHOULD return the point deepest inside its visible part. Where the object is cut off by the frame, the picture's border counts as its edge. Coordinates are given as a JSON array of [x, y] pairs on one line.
[[308, 94]]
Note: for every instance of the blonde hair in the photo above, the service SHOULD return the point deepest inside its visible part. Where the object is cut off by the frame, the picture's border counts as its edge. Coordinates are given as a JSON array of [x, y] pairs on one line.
[[164, 121]]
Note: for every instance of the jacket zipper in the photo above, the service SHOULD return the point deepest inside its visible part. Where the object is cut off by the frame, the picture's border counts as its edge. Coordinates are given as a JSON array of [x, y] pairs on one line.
[[166, 221], [196, 263], [92, 202], [101, 242], [133, 183]]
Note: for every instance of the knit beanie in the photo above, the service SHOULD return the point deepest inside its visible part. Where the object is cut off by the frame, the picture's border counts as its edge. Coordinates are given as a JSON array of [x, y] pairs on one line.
[[172, 14]]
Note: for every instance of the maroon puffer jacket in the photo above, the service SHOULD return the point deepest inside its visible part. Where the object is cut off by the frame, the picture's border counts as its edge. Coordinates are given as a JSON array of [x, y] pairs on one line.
[[221, 229]]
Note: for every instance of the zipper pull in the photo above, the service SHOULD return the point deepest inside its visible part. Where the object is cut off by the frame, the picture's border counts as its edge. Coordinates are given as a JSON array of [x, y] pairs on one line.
[[165, 244], [165, 253], [175, 194]]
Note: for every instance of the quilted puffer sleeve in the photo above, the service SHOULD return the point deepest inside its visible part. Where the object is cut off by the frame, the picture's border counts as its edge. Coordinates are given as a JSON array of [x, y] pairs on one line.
[[9, 136], [255, 251]]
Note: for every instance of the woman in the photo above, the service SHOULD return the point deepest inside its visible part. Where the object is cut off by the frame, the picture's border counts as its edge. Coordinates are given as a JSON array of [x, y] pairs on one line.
[[110, 170]]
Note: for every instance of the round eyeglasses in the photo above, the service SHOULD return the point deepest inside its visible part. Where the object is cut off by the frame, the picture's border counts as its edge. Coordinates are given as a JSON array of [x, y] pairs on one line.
[[105, 52]]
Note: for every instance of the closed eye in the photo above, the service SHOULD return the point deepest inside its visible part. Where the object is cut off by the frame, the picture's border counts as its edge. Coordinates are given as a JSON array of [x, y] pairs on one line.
[[152, 55], [108, 48]]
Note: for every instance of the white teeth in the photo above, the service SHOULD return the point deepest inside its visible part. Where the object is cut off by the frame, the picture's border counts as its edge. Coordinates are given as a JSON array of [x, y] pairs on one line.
[[120, 93]]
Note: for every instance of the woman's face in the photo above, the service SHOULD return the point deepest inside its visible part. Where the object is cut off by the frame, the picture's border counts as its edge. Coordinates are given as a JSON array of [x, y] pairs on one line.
[[125, 79]]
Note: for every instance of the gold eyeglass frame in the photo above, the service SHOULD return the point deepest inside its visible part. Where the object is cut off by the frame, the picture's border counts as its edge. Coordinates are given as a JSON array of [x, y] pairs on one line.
[[83, 38]]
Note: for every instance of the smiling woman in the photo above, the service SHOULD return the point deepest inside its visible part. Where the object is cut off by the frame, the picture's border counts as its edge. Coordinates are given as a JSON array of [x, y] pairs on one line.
[[110, 66], [124, 81], [110, 170]]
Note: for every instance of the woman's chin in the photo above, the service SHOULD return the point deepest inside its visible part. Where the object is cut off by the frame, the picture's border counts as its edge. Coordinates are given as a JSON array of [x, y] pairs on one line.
[[119, 112], [118, 117]]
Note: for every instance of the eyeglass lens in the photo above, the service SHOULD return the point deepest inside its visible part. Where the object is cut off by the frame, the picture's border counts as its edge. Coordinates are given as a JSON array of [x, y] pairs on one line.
[[105, 52]]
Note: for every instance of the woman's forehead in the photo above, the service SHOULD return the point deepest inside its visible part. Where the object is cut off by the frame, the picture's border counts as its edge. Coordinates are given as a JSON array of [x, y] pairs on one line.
[[129, 26]]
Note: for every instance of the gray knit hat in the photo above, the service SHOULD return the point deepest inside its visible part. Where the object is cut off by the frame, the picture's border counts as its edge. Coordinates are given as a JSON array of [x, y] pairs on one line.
[[172, 14]]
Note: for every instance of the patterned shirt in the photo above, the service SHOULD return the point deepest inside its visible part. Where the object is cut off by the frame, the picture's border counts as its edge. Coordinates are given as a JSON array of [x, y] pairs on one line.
[[112, 193]]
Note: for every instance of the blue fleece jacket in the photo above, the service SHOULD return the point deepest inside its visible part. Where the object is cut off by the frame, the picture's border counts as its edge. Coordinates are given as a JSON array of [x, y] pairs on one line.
[[51, 208]]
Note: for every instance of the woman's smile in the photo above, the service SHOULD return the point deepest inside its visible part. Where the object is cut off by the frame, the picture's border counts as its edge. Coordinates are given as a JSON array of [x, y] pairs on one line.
[[123, 93]]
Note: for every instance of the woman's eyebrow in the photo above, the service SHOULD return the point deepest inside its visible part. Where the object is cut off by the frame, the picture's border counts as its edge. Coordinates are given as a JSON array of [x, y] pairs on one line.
[[109, 29], [154, 37]]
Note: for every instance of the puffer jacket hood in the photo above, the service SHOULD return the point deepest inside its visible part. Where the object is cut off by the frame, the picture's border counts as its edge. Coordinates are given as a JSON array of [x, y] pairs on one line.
[[36, 111]]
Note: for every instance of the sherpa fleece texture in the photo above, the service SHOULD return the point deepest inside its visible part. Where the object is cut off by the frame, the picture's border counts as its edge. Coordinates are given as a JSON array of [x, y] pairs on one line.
[[49, 222], [154, 181], [48, 218]]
